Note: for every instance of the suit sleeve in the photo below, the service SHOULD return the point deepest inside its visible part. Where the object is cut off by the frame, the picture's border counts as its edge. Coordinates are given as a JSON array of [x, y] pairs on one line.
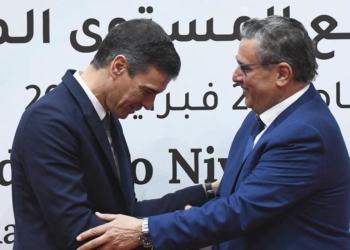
[[290, 168], [50, 157], [194, 196]]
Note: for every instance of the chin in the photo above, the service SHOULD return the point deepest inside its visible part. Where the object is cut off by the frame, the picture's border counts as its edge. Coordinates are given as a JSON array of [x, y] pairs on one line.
[[123, 116]]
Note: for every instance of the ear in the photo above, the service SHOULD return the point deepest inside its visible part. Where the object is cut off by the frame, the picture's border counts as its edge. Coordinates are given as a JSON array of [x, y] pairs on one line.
[[285, 74], [118, 66]]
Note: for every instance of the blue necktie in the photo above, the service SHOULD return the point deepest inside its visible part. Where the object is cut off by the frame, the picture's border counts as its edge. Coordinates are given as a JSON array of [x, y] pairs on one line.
[[257, 128]]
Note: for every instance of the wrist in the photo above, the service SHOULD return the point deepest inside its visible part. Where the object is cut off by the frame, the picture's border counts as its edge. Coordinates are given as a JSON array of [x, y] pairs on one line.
[[145, 237], [215, 186], [209, 190]]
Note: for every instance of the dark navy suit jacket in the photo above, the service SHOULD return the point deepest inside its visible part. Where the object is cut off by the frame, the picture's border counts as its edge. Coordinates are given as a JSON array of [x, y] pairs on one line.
[[292, 192], [63, 171]]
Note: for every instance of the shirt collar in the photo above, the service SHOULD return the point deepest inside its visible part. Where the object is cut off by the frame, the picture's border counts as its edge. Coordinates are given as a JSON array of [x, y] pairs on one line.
[[271, 114], [95, 102]]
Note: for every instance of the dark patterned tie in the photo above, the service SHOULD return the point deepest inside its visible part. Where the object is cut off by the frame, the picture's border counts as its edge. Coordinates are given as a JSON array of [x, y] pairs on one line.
[[257, 128], [107, 125]]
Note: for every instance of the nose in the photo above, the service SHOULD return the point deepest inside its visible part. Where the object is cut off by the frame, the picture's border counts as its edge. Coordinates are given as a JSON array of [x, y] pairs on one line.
[[237, 75], [148, 102]]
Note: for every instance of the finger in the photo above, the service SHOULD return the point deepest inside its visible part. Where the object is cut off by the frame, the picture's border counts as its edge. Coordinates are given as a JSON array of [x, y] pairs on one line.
[[93, 232], [187, 207], [106, 217], [106, 247], [94, 243]]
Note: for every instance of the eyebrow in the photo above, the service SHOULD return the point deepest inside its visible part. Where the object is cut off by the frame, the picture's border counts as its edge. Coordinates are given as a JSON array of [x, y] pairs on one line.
[[150, 89], [238, 61]]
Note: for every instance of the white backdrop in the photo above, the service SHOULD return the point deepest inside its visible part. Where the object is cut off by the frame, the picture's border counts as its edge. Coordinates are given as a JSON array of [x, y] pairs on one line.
[[192, 127]]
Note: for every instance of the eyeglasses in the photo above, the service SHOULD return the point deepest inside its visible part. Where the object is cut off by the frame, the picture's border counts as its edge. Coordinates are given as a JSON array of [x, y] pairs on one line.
[[245, 67]]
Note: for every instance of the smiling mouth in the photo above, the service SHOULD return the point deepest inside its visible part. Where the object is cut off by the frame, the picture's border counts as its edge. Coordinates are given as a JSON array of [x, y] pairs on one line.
[[245, 91]]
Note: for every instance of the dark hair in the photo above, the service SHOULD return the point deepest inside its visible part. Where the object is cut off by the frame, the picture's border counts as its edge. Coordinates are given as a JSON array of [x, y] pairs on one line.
[[282, 39], [144, 44]]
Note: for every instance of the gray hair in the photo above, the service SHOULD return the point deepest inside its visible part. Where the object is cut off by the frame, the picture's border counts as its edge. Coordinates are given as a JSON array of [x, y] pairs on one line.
[[282, 39]]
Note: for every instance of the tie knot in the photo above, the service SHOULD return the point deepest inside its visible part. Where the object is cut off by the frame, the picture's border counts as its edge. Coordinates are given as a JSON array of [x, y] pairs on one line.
[[106, 121], [258, 127]]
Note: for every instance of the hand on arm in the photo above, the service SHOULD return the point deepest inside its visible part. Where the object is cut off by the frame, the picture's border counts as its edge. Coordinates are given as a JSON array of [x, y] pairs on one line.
[[121, 232], [214, 186]]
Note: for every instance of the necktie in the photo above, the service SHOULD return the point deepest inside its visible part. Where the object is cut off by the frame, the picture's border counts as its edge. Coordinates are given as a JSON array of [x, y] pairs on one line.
[[107, 125], [257, 128]]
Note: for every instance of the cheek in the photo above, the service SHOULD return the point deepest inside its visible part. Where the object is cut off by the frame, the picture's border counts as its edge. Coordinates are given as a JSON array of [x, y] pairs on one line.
[[114, 101], [133, 98]]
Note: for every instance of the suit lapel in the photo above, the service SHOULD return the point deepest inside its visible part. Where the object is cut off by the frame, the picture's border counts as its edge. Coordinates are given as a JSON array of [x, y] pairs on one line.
[[310, 94], [235, 159], [90, 115]]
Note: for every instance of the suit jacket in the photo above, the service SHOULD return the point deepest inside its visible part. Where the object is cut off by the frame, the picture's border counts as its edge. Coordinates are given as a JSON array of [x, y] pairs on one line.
[[63, 171], [291, 192]]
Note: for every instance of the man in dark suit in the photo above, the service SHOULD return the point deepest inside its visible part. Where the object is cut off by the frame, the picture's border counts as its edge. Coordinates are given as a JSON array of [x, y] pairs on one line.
[[69, 157], [286, 183]]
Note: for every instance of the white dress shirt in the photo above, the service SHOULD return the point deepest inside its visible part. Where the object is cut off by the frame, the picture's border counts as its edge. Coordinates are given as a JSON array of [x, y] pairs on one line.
[[271, 114], [95, 102]]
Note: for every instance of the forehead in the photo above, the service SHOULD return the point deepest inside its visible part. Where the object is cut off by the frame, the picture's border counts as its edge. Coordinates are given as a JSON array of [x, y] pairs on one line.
[[247, 51]]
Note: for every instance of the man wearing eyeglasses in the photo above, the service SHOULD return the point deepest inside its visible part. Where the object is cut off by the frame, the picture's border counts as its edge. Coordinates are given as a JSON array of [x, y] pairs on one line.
[[286, 183]]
